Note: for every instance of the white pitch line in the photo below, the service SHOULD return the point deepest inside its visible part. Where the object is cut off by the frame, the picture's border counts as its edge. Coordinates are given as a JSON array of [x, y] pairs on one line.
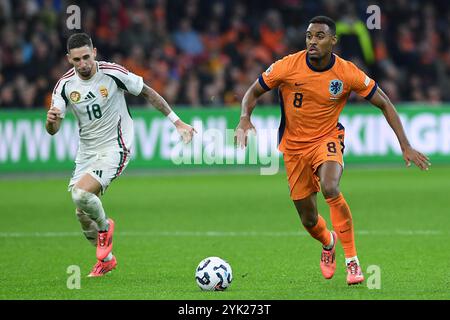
[[218, 233]]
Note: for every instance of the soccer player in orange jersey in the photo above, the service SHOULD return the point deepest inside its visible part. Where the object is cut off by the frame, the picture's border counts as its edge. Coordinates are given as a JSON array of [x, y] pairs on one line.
[[313, 86]]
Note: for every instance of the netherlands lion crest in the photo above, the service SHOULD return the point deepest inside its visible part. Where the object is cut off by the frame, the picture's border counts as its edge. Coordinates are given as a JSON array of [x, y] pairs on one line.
[[336, 87]]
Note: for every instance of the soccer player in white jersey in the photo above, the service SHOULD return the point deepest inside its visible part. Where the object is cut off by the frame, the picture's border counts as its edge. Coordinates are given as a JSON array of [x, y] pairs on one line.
[[94, 91]]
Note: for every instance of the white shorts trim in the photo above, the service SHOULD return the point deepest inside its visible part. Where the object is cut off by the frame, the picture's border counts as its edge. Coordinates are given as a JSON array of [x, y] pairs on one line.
[[103, 167]]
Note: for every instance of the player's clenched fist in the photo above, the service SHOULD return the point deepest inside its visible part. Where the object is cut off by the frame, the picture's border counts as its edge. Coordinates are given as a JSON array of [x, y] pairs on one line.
[[185, 131], [53, 114]]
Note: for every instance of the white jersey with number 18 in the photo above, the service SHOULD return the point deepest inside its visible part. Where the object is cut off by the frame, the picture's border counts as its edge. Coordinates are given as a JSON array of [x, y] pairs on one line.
[[99, 106]]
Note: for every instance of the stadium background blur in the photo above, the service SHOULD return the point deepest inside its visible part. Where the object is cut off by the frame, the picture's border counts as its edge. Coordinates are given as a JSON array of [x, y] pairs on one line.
[[200, 53]]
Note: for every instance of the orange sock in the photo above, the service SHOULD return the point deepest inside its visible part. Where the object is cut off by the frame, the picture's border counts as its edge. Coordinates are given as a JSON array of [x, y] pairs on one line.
[[341, 219], [320, 231]]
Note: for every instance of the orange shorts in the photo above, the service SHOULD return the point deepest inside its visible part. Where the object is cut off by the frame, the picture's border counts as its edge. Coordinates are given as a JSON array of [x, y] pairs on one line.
[[301, 167]]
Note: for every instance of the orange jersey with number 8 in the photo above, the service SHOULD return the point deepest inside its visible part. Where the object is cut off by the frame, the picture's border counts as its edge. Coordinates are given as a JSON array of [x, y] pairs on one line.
[[312, 100]]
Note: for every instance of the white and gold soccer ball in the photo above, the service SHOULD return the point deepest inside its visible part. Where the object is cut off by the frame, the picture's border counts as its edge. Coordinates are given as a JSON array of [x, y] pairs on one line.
[[213, 274]]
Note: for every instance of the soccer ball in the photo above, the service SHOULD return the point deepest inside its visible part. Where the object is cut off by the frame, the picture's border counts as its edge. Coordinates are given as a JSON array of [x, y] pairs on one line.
[[213, 274]]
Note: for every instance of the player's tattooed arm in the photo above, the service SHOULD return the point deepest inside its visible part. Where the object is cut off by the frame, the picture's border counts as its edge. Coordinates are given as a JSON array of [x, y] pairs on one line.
[[155, 100], [185, 130], [382, 101]]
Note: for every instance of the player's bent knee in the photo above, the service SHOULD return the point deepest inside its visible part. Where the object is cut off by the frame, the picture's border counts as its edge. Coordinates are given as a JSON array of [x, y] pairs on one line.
[[330, 190], [80, 197], [309, 223], [309, 220]]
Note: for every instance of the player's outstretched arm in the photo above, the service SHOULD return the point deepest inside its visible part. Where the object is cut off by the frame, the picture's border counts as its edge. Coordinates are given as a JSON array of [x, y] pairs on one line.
[[247, 106], [186, 131], [53, 120], [381, 100]]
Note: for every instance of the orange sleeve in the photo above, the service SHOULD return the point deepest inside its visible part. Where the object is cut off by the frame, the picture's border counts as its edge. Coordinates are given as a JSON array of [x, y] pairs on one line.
[[274, 75], [361, 83]]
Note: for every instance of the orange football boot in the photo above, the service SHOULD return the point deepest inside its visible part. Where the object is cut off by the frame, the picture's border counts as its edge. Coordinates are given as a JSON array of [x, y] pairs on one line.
[[328, 259], [105, 241], [354, 273], [103, 267]]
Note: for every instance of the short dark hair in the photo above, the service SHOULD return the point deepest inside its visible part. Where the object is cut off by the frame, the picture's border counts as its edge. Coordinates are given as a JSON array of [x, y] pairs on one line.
[[325, 20], [78, 40]]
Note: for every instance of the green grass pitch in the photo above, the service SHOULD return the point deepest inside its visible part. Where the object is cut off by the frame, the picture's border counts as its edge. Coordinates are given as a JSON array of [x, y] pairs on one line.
[[165, 225]]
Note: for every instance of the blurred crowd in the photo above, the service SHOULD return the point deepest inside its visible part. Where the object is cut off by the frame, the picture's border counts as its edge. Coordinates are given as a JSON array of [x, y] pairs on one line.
[[202, 53]]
